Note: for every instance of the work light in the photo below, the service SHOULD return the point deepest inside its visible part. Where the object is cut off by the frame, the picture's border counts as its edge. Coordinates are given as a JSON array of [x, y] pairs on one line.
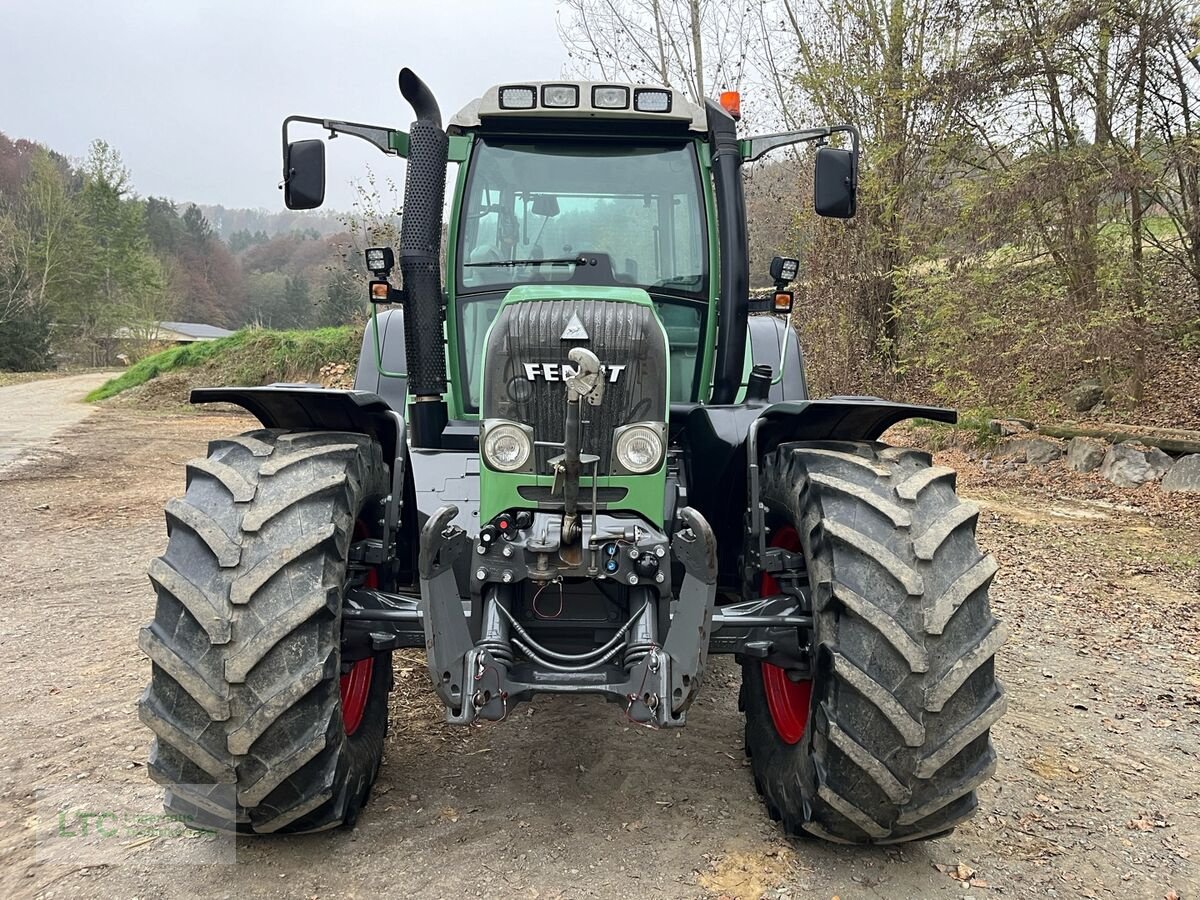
[[651, 100], [784, 270], [517, 97], [560, 96], [610, 96], [380, 260]]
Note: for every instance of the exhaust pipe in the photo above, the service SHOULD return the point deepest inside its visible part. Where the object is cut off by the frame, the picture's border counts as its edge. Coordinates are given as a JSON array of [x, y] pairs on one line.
[[732, 309], [420, 262]]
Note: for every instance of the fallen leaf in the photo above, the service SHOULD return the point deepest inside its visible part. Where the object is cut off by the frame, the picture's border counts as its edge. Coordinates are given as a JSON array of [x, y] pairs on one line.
[[959, 872]]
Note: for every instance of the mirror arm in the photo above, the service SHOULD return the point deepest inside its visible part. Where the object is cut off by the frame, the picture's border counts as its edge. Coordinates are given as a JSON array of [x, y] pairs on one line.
[[756, 147], [388, 140]]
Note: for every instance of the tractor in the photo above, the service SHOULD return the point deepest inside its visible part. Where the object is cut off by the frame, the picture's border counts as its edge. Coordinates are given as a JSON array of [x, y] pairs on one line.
[[580, 463]]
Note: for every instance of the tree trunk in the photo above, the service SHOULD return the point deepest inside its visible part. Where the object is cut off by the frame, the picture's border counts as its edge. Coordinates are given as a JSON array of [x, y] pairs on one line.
[[1136, 216], [698, 50]]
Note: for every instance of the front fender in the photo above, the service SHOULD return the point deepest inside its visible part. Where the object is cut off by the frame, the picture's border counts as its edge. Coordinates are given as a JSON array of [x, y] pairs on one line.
[[313, 408], [724, 441], [839, 419], [716, 435], [298, 406]]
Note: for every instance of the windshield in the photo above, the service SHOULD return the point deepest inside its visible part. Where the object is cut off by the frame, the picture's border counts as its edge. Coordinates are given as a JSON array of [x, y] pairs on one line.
[[531, 209], [542, 205]]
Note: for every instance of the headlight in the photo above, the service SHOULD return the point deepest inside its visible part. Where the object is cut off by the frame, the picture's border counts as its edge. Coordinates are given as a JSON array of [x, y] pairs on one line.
[[507, 447], [639, 448]]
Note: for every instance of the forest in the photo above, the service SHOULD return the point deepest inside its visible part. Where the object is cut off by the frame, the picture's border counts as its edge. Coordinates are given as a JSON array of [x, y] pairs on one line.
[[87, 266], [1029, 208]]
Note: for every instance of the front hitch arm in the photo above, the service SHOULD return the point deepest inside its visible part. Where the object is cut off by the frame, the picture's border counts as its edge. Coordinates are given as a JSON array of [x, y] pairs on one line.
[[687, 641], [447, 638]]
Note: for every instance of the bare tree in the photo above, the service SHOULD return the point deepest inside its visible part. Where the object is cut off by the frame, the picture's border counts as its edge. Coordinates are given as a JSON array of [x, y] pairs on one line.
[[888, 67], [695, 46], [37, 233], [14, 278], [1171, 164]]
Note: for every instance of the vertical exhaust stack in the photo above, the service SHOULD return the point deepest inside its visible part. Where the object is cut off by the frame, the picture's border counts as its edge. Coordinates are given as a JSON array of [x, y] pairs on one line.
[[420, 263], [732, 309]]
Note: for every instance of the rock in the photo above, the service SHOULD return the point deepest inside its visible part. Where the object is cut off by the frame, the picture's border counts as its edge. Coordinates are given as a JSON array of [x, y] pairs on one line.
[[1184, 475], [1037, 451], [1085, 454], [1160, 463], [1086, 395], [1131, 464], [1043, 451]]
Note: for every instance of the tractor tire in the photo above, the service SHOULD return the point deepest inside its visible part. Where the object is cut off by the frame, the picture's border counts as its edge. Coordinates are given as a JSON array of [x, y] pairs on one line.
[[890, 738], [258, 726]]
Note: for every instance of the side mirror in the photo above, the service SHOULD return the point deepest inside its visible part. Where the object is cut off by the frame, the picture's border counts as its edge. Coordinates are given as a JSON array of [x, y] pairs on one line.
[[304, 175], [834, 183]]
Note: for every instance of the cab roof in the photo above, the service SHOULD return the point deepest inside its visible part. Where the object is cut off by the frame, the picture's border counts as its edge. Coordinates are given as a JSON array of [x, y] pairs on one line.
[[580, 100]]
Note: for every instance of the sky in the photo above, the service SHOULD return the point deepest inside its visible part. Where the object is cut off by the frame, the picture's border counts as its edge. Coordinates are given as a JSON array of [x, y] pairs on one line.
[[192, 92]]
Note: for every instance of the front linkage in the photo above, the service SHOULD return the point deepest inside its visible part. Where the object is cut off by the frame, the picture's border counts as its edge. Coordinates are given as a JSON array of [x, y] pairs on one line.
[[654, 679]]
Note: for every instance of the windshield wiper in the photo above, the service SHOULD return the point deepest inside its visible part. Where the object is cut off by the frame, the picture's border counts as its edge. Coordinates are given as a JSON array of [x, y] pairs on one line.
[[511, 263]]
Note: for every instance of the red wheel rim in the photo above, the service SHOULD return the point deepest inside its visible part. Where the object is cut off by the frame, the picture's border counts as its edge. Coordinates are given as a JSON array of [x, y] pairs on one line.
[[355, 685], [788, 701]]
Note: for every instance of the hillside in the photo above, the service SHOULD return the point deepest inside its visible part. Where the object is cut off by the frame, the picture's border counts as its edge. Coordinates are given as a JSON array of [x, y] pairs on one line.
[[86, 263], [248, 357]]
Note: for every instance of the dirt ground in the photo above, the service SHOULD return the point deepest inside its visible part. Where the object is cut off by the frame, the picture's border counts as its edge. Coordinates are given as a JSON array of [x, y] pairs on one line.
[[1098, 793], [31, 414]]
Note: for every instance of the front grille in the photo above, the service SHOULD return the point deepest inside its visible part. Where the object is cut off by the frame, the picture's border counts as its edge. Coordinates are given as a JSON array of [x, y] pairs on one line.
[[605, 496], [526, 339]]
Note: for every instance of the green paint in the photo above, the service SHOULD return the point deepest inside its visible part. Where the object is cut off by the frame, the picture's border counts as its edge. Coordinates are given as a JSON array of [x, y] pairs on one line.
[[459, 147], [455, 400], [398, 141], [499, 491], [525, 293]]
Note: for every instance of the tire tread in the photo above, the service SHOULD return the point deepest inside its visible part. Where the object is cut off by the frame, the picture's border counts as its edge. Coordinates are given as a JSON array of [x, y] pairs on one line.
[[905, 693]]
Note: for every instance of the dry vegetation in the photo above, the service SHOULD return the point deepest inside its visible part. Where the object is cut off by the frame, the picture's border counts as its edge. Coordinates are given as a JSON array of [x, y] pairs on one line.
[[1029, 207]]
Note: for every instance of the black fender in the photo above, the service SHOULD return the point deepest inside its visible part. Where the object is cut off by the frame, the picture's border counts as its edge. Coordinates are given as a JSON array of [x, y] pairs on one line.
[[314, 408], [724, 442], [772, 341], [837, 419]]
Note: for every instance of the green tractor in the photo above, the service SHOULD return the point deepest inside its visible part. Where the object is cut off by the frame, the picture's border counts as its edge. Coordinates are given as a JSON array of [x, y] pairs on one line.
[[575, 465]]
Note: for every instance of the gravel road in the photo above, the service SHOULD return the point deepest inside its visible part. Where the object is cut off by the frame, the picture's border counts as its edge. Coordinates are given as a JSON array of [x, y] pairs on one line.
[[32, 413], [1098, 793]]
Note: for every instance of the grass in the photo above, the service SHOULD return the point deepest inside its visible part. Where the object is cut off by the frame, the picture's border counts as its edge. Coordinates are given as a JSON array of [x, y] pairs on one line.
[[973, 426], [1159, 227], [250, 356]]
